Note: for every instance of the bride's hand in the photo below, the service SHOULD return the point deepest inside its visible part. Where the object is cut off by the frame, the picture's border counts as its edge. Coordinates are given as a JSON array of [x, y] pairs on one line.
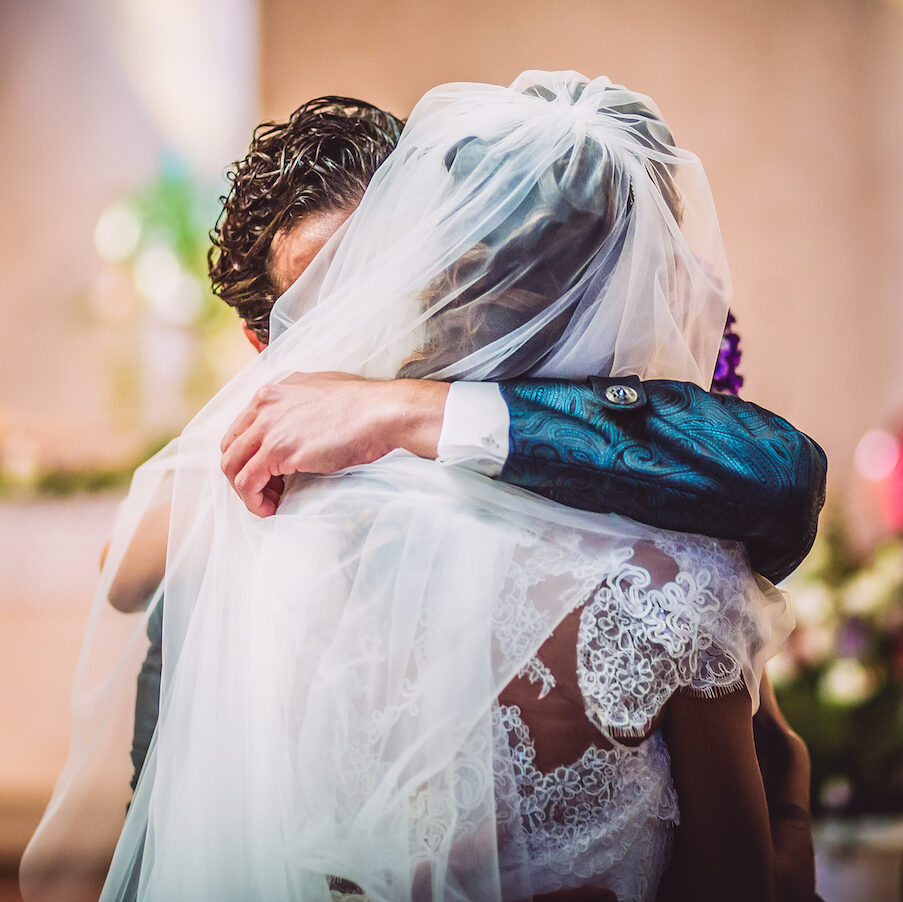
[[325, 422]]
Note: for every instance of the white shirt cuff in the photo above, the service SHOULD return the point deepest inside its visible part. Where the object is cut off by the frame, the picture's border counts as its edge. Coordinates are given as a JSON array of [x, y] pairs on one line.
[[475, 428]]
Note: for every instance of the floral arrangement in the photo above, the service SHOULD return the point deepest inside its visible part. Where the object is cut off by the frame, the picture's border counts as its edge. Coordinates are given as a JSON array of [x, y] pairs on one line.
[[175, 340], [726, 378], [158, 237], [840, 677]]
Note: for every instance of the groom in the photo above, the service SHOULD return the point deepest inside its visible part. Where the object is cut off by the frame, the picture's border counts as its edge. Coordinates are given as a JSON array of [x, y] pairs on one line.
[[665, 453]]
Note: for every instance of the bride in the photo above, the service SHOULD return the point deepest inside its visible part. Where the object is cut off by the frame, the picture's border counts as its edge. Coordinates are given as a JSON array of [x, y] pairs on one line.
[[417, 683]]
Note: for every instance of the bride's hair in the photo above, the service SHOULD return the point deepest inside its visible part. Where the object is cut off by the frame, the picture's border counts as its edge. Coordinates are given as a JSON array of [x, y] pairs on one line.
[[580, 207], [318, 161]]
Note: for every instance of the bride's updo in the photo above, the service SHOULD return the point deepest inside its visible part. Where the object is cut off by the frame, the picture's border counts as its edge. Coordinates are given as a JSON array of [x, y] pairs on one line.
[[573, 219], [551, 228]]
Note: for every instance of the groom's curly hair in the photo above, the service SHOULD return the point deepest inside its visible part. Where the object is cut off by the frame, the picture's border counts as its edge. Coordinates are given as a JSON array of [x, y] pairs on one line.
[[319, 161]]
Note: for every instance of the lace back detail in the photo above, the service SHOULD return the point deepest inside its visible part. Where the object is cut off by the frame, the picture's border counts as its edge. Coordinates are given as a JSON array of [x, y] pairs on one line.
[[537, 672], [643, 638], [604, 820]]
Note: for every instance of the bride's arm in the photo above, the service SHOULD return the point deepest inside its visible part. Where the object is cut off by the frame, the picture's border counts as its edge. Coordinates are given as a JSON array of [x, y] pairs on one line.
[[726, 847], [143, 564], [723, 846], [786, 772]]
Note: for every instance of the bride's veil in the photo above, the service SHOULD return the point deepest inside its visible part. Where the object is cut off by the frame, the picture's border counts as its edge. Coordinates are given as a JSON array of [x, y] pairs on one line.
[[329, 672]]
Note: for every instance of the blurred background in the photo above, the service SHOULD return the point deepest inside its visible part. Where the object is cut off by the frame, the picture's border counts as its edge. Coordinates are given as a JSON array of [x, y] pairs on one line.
[[118, 120]]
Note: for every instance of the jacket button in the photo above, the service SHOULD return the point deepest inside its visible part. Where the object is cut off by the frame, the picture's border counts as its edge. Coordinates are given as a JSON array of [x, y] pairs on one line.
[[621, 394]]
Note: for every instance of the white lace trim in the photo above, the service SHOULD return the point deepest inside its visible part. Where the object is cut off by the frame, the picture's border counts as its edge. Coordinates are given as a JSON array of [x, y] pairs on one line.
[[537, 672], [639, 643], [587, 822], [516, 621]]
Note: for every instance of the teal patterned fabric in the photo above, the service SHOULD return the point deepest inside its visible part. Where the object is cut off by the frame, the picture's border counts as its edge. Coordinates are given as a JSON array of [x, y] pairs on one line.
[[686, 460]]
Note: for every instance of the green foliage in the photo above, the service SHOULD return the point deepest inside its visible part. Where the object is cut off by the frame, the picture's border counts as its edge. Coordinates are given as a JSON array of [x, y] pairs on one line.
[[177, 210], [154, 242], [840, 678], [56, 482]]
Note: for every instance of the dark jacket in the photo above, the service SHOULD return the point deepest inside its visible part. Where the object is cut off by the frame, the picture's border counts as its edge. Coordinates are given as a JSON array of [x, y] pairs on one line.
[[676, 457]]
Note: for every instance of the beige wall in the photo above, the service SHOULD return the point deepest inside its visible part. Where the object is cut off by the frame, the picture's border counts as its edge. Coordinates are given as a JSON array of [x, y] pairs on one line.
[[72, 138], [794, 106], [91, 93]]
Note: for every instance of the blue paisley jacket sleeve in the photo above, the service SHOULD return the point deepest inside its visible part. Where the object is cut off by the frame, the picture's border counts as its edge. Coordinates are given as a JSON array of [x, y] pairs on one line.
[[675, 457]]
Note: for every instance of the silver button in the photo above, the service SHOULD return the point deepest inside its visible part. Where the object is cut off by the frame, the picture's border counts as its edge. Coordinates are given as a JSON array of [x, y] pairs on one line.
[[621, 394]]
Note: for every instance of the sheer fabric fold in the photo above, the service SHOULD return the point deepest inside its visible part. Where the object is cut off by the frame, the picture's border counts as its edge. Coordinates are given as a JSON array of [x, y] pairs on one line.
[[330, 673]]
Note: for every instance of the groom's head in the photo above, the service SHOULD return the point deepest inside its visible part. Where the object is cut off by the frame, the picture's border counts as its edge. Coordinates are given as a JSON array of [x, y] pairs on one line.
[[299, 181]]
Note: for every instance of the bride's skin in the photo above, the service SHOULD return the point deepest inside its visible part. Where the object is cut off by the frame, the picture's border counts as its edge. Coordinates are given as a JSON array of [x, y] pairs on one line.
[[733, 842], [727, 845], [143, 564]]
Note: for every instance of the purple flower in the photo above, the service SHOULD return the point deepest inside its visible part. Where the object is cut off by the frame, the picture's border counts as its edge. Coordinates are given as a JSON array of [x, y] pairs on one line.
[[852, 638], [726, 378]]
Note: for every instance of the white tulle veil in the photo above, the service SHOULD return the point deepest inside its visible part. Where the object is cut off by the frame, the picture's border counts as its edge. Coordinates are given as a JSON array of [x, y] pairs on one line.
[[328, 672]]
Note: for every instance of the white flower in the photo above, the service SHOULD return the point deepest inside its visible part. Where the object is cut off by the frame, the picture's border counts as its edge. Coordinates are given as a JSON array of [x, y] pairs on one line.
[[157, 271], [866, 592], [888, 561], [835, 792], [846, 683], [117, 231], [815, 643], [812, 603], [173, 295]]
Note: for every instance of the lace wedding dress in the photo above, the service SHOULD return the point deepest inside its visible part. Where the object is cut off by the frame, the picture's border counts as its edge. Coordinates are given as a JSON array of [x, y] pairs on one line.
[[674, 616], [606, 819]]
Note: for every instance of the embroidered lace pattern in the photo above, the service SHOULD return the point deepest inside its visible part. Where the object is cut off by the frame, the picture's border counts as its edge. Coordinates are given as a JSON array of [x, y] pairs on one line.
[[640, 642], [604, 820], [537, 672], [517, 621]]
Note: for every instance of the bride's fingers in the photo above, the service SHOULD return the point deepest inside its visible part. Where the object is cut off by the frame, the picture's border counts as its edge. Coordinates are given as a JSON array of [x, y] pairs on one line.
[[242, 422]]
